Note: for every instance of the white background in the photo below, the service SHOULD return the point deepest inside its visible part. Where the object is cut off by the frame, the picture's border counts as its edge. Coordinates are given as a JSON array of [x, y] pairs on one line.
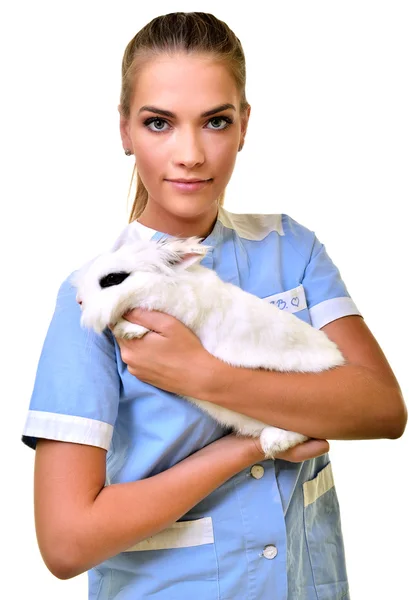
[[327, 143]]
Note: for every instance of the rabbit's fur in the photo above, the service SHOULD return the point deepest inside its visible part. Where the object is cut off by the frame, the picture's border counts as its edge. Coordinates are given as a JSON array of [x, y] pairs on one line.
[[233, 325]]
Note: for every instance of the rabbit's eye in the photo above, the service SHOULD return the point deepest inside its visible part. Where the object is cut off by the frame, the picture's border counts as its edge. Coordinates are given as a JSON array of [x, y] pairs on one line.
[[113, 279]]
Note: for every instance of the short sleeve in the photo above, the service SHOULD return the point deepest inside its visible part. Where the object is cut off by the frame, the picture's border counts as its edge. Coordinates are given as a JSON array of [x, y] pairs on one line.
[[76, 390], [326, 294]]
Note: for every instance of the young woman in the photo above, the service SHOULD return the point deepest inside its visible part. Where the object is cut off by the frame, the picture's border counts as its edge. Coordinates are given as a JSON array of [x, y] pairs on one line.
[[133, 483]]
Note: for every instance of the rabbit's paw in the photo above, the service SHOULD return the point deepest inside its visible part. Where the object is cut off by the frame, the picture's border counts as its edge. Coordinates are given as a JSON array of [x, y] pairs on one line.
[[274, 440], [126, 329]]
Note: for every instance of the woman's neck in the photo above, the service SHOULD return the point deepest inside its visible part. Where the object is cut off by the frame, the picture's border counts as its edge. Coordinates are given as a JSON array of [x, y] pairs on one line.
[[160, 220]]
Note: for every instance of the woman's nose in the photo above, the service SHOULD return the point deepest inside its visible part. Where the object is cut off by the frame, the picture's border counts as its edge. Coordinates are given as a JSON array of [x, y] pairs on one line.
[[188, 150]]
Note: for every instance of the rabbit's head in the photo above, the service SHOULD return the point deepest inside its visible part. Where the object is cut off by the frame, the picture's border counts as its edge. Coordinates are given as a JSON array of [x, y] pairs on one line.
[[106, 283]]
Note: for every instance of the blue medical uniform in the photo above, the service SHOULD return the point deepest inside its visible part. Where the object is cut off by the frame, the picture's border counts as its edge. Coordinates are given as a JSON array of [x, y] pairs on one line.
[[272, 531]]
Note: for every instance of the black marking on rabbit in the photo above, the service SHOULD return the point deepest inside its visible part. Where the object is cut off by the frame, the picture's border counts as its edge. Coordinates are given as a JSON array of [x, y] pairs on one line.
[[113, 279]]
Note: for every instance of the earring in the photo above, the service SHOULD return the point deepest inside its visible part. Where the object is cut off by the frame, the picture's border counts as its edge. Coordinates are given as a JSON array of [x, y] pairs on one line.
[[128, 152], [241, 146]]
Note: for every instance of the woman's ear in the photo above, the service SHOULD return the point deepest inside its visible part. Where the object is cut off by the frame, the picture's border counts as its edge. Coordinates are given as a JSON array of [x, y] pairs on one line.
[[244, 123], [124, 131]]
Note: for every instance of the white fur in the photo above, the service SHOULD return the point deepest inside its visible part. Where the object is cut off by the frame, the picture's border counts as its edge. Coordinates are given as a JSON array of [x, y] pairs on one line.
[[233, 325]]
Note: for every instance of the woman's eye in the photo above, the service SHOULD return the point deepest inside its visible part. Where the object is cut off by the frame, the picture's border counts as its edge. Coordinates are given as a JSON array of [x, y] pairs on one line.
[[156, 121], [218, 119]]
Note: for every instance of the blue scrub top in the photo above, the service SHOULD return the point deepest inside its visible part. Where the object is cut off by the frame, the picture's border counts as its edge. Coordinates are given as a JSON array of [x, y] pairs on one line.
[[272, 531]]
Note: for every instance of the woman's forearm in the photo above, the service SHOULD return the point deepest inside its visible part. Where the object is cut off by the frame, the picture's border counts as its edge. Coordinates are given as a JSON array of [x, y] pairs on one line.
[[345, 403], [126, 513]]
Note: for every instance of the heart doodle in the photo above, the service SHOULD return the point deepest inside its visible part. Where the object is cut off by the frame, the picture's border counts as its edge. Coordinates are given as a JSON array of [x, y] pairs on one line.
[[295, 301]]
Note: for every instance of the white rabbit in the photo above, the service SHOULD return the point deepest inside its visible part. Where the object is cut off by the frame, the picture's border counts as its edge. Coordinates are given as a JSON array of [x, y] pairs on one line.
[[233, 325]]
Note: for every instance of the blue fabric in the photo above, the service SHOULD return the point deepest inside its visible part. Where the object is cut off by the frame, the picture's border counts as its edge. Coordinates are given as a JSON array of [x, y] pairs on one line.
[[81, 375]]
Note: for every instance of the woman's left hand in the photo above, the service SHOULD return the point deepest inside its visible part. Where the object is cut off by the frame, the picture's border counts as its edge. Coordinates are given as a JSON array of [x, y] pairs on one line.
[[170, 356]]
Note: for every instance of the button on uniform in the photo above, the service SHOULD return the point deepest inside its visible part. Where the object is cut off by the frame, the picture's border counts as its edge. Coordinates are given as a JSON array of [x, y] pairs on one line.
[[257, 471], [270, 551]]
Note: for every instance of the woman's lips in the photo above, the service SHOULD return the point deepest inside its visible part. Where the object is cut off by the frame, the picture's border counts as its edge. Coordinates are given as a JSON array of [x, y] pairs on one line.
[[184, 186]]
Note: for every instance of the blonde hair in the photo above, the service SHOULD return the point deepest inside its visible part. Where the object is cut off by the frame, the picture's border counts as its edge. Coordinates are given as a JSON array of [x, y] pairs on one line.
[[192, 32]]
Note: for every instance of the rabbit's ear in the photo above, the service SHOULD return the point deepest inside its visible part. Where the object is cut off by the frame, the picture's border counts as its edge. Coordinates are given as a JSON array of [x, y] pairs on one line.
[[185, 252]]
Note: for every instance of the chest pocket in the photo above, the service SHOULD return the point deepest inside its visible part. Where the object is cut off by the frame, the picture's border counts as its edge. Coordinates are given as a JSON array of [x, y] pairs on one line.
[[292, 301]]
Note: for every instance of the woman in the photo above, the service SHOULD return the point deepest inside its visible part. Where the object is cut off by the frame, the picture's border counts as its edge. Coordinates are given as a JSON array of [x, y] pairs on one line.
[[134, 484]]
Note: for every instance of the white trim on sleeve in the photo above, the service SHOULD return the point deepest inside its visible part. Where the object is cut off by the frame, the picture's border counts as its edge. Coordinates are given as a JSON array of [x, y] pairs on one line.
[[323, 313], [68, 428]]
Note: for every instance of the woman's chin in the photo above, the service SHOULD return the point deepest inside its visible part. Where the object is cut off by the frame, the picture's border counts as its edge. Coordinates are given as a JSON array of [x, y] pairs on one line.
[[190, 207]]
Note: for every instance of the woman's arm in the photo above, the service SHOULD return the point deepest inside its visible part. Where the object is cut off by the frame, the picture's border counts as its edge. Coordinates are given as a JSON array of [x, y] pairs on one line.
[[361, 400], [80, 523]]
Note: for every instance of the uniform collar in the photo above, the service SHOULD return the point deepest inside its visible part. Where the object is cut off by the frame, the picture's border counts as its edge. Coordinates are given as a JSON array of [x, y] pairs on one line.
[[136, 230]]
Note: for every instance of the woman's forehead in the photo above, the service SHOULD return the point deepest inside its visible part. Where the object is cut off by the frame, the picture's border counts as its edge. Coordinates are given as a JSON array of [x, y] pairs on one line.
[[175, 80]]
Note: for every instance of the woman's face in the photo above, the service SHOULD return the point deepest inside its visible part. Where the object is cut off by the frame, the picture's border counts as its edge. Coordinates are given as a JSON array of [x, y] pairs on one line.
[[172, 138]]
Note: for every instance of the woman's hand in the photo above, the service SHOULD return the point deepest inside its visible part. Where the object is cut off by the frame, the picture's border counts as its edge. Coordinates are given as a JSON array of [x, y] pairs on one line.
[[170, 357], [305, 451], [253, 453]]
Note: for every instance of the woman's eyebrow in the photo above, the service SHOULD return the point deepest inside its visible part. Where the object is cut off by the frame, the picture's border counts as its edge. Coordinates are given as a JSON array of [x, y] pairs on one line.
[[167, 113]]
